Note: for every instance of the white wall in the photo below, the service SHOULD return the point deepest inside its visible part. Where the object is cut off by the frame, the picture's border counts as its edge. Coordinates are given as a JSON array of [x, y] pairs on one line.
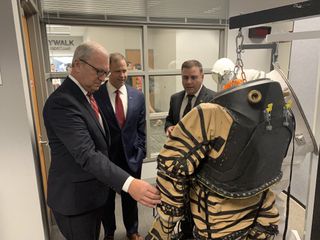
[[115, 39], [20, 214], [162, 40], [206, 50], [237, 7], [304, 78], [164, 50]]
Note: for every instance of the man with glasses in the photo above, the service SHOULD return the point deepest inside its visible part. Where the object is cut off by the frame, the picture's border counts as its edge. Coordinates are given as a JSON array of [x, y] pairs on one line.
[[81, 172]]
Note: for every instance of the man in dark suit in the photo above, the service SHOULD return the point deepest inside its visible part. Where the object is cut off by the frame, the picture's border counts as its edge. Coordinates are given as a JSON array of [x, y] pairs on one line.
[[81, 172], [181, 103], [124, 109], [193, 94]]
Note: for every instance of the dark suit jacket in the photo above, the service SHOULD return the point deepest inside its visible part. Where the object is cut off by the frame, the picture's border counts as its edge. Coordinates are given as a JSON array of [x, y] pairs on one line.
[[128, 143], [80, 167], [205, 95]]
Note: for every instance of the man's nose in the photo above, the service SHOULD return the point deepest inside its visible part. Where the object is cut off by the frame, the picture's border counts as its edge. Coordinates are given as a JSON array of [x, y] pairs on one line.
[[188, 80], [123, 75]]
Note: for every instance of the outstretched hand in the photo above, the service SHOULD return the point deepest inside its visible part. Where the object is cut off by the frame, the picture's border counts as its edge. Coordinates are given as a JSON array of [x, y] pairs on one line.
[[169, 131], [144, 193]]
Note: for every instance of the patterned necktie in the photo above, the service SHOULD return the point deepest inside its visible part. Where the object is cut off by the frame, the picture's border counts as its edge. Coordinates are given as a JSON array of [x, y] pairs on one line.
[[119, 109], [188, 107], [94, 105]]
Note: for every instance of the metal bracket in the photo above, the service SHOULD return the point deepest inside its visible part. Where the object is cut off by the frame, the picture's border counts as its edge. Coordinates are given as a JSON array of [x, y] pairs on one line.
[[272, 46]]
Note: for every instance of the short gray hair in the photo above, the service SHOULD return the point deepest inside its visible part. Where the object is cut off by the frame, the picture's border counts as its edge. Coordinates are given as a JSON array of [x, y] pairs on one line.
[[86, 50]]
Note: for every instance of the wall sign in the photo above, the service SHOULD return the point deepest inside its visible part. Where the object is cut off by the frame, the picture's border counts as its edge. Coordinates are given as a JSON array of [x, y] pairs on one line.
[[64, 44]]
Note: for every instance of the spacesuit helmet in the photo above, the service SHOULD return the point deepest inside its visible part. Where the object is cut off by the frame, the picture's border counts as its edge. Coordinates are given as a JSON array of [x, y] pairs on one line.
[[222, 71]]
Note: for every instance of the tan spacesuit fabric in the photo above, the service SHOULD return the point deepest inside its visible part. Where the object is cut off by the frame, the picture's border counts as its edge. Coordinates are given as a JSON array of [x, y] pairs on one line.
[[215, 216]]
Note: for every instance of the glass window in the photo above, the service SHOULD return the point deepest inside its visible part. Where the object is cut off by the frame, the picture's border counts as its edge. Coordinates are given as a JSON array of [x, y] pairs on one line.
[[63, 40], [54, 83], [137, 82], [60, 63], [210, 83], [157, 136], [169, 48], [160, 90], [162, 87]]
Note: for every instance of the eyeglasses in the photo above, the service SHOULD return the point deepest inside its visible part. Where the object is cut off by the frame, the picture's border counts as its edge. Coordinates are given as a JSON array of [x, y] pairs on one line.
[[100, 72]]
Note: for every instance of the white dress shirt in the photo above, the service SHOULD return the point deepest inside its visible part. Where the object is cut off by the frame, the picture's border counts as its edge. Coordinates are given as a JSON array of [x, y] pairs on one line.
[[123, 95], [185, 101]]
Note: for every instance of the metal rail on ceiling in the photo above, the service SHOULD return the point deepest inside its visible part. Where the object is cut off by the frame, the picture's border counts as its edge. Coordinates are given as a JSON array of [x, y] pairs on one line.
[[287, 12]]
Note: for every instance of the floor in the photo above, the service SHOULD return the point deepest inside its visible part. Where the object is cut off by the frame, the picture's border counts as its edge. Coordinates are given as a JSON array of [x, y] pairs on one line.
[[296, 218], [157, 135]]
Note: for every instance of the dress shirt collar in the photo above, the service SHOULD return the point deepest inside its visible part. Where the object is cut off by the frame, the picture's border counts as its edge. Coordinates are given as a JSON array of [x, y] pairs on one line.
[[111, 89]]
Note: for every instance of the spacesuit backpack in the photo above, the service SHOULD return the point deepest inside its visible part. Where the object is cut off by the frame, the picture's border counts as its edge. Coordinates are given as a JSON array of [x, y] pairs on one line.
[[258, 141]]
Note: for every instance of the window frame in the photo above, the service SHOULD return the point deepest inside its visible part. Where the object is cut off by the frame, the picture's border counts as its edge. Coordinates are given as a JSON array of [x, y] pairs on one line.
[[145, 73]]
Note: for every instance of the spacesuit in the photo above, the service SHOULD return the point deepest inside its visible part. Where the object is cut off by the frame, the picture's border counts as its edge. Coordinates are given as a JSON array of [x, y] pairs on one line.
[[305, 143], [222, 158]]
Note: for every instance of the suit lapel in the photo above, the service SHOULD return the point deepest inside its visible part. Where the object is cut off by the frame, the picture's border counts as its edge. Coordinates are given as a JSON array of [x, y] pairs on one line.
[[201, 97], [93, 115], [107, 106], [130, 100], [78, 94], [178, 106]]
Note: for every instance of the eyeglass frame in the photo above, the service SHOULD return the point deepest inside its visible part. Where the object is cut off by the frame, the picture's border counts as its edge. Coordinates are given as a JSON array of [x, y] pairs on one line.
[[100, 72]]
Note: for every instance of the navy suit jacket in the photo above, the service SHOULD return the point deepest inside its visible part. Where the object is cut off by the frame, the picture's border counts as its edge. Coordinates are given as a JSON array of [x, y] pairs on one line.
[[205, 95], [127, 143], [80, 170]]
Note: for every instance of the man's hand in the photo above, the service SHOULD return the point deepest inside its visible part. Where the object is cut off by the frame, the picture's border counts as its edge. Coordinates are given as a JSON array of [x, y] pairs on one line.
[[169, 130], [144, 193]]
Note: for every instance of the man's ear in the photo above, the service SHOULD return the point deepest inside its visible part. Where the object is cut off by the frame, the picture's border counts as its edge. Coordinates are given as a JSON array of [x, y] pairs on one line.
[[76, 65]]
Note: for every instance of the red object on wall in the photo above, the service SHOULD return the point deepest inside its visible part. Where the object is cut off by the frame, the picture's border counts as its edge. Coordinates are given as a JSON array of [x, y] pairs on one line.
[[259, 32]]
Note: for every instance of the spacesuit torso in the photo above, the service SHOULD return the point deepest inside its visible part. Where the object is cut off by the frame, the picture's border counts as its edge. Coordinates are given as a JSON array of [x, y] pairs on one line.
[[223, 158]]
